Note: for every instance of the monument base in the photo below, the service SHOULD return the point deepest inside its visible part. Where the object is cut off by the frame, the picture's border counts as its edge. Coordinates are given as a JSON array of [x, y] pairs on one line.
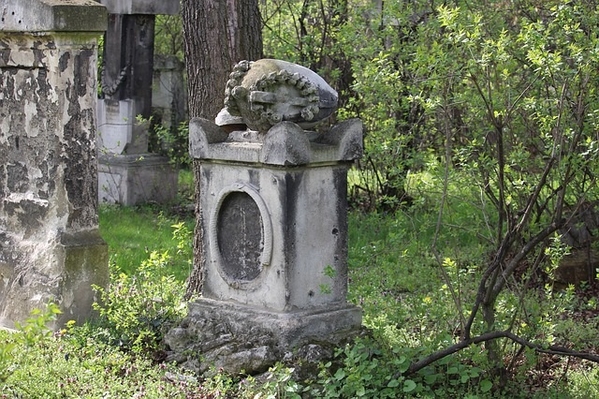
[[136, 179], [61, 270], [85, 266], [241, 339]]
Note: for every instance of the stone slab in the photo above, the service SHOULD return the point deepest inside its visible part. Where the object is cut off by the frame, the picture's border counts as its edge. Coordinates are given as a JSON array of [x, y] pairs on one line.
[[156, 7], [302, 229], [136, 179], [285, 144], [52, 16], [119, 131]]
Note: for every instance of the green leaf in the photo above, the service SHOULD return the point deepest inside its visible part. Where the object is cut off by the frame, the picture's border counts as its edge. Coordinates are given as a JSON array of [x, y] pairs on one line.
[[340, 374], [485, 386], [361, 391], [409, 386], [393, 383], [430, 379]]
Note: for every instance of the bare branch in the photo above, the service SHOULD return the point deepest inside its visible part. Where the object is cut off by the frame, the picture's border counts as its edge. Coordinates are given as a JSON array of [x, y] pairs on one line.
[[493, 335]]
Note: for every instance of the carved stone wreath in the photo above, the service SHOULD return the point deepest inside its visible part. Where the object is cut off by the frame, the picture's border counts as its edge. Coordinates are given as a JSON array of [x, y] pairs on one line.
[[286, 92]]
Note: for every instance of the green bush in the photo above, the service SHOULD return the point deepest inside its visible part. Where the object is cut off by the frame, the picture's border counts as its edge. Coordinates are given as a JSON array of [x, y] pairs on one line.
[[136, 310]]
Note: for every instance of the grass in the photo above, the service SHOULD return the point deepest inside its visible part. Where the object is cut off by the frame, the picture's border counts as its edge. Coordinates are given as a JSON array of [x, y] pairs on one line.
[[132, 232]]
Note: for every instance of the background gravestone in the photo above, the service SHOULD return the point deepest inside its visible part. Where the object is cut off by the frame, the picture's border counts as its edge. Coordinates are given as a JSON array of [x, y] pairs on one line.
[[128, 173], [169, 95], [50, 247]]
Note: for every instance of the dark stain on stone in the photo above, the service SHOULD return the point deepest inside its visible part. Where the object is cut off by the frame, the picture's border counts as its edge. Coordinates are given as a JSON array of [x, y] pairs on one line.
[[63, 62], [81, 72], [289, 194], [4, 57], [38, 55], [43, 87], [2, 179], [79, 170], [8, 85], [254, 177], [51, 45], [340, 184], [17, 177]]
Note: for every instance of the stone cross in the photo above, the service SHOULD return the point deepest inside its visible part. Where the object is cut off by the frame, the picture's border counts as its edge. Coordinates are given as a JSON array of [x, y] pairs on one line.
[[50, 247]]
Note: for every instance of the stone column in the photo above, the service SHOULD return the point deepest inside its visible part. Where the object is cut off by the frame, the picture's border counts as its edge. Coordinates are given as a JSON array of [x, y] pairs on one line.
[[129, 174], [50, 247], [273, 221]]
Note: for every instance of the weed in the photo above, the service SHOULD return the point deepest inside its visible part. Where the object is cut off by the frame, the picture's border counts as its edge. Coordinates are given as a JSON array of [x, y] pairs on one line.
[[136, 310]]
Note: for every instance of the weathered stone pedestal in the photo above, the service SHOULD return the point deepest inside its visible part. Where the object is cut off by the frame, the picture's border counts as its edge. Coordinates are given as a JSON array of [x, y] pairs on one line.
[[128, 173], [274, 223], [50, 247]]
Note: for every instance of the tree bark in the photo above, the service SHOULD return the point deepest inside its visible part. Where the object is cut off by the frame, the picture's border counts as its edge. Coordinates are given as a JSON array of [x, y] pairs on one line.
[[218, 34]]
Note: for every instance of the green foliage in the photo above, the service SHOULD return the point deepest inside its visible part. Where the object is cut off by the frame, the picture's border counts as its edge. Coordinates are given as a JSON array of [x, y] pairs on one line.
[[364, 369], [503, 96], [36, 326], [276, 383], [30, 335], [172, 142], [136, 310], [414, 305], [168, 39], [7, 348], [73, 364], [424, 78], [131, 231], [408, 307], [88, 361]]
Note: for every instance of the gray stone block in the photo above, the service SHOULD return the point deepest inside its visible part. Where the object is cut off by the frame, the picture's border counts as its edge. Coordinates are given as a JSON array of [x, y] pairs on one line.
[[237, 338], [52, 16], [156, 7], [136, 179]]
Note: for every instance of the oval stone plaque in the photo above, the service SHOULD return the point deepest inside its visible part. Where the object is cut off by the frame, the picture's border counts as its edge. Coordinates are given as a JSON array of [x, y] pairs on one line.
[[240, 236]]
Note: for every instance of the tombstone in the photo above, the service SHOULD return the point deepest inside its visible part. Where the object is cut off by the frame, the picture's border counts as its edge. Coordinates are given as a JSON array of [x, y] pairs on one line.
[[50, 247], [169, 96], [273, 223], [128, 173]]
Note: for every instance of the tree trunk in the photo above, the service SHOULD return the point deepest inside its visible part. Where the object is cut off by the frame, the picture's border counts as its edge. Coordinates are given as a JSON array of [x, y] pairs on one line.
[[218, 34]]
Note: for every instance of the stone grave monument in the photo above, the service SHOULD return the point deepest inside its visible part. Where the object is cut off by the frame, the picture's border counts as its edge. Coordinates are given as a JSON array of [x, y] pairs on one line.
[[128, 173], [274, 223], [169, 94], [50, 247]]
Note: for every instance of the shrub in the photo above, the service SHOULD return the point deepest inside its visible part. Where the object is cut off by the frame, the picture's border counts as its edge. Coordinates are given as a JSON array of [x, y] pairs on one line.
[[136, 310]]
